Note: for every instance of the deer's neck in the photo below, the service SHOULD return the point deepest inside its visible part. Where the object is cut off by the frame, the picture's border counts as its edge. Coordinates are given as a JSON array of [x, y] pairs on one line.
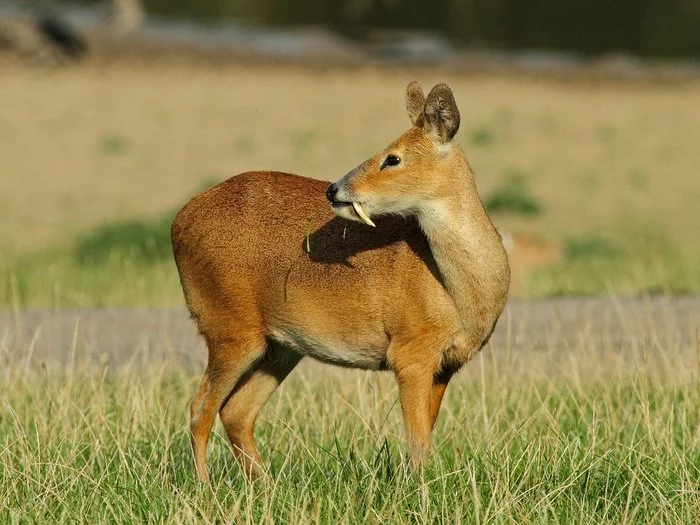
[[468, 251]]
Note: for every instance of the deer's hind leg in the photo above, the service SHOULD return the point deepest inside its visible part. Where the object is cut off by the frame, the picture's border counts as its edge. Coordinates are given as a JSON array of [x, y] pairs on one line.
[[229, 360], [241, 409]]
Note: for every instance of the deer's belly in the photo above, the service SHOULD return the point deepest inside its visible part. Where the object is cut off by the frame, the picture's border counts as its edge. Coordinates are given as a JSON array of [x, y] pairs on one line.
[[364, 350]]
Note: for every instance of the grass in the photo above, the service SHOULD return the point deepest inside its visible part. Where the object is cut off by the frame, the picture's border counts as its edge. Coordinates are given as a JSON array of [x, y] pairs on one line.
[[141, 240], [607, 133], [592, 440], [87, 154], [513, 196], [302, 140], [555, 432], [114, 144], [590, 246], [644, 260], [56, 279], [638, 179], [482, 136], [244, 145]]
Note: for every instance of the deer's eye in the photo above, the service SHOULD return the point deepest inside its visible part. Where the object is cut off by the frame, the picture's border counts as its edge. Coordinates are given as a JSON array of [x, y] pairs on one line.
[[390, 160]]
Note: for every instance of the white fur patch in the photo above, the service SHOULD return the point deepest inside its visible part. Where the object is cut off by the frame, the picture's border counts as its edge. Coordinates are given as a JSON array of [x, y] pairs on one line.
[[350, 354], [444, 148]]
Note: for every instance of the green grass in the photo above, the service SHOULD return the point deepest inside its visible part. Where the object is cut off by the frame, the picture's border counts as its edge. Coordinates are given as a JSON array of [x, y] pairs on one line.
[[606, 133], [644, 260], [57, 279], [638, 179], [125, 263], [145, 241], [114, 144], [482, 136], [113, 447], [244, 145], [513, 196], [590, 246]]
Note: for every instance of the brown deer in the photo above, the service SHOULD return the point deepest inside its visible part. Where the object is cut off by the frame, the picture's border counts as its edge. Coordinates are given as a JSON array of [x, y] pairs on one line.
[[272, 273]]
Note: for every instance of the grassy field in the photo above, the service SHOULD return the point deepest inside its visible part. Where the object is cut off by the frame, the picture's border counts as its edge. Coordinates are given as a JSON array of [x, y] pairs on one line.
[[606, 171], [554, 424], [579, 411]]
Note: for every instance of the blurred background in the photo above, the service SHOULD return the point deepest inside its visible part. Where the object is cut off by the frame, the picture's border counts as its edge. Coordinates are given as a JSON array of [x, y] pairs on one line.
[[581, 120]]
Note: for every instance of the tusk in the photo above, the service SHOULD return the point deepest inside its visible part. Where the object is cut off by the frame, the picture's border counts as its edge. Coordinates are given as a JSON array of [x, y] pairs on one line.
[[361, 213]]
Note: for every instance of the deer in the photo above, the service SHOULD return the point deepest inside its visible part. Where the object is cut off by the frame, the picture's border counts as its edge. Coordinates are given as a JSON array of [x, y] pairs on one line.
[[396, 266]]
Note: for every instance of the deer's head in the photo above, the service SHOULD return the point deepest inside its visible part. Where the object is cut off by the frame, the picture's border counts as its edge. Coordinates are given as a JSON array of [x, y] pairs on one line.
[[414, 169]]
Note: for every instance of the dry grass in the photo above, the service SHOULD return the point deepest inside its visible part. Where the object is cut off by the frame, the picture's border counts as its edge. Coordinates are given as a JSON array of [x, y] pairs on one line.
[[83, 145], [578, 412]]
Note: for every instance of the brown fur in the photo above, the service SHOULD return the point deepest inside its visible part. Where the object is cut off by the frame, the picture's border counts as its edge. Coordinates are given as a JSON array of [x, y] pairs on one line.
[[271, 275]]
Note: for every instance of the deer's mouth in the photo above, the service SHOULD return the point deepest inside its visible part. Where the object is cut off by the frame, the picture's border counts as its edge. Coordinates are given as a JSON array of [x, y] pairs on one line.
[[358, 210]]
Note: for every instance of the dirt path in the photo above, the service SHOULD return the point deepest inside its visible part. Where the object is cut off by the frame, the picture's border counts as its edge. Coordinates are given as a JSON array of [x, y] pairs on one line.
[[550, 335]]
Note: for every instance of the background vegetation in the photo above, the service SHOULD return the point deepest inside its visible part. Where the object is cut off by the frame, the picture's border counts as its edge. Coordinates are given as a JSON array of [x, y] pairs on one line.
[[101, 157], [641, 27]]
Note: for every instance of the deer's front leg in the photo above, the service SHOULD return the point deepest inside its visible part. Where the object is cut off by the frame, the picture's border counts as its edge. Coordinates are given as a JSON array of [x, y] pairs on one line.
[[416, 396]]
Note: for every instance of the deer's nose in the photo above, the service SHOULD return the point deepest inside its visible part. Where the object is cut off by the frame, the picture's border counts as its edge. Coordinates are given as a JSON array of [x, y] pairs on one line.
[[331, 192]]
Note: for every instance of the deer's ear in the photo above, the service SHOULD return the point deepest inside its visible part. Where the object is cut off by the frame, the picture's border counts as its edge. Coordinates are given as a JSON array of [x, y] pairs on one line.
[[415, 101], [441, 114]]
